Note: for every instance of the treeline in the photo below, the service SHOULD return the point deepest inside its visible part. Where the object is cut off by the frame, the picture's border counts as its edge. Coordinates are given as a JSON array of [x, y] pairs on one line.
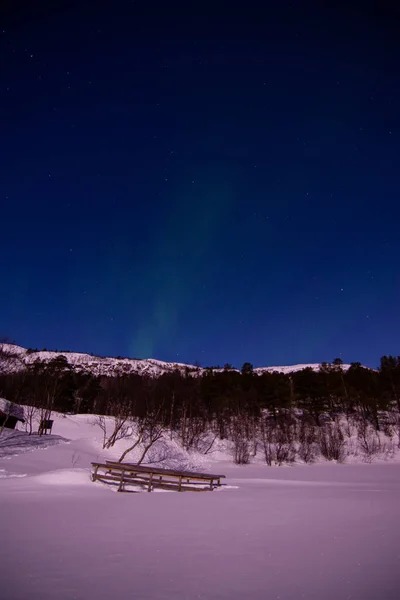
[[249, 409]]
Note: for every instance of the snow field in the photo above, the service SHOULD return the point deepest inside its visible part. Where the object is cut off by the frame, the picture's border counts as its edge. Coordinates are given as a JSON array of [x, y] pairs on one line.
[[323, 531]]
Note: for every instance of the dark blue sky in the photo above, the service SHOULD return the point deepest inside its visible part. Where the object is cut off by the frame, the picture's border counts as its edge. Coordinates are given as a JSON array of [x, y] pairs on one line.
[[191, 181]]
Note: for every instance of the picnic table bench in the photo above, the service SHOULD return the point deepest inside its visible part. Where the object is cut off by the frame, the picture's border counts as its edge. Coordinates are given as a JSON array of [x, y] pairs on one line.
[[154, 477]]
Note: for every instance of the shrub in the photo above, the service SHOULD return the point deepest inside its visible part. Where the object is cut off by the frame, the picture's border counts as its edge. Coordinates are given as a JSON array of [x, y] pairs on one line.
[[331, 442]]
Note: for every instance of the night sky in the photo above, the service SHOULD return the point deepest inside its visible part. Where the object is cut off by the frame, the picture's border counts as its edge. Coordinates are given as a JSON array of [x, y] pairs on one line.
[[192, 181]]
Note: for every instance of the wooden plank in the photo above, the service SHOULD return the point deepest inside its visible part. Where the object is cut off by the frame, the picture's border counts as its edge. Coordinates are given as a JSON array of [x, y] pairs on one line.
[[94, 475], [165, 472], [144, 478], [156, 484], [175, 482], [161, 470], [108, 478], [121, 485], [184, 488], [117, 479]]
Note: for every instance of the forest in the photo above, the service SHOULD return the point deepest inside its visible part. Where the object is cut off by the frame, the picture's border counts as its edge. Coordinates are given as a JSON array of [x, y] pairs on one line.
[[302, 415]]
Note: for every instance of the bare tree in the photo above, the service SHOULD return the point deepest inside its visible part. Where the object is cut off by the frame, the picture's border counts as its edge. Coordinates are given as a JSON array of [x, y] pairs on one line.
[[398, 428], [278, 437], [284, 440], [120, 428], [118, 402], [241, 447], [308, 448], [205, 442], [192, 432], [331, 442], [267, 438], [368, 440], [100, 421], [149, 429], [348, 425], [153, 432], [47, 385], [31, 415]]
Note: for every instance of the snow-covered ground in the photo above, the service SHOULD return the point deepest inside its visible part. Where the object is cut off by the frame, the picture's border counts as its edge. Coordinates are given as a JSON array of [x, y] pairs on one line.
[[316, 532]]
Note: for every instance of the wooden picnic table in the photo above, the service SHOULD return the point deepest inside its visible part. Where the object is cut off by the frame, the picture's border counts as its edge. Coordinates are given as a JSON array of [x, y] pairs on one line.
[[154, 477]]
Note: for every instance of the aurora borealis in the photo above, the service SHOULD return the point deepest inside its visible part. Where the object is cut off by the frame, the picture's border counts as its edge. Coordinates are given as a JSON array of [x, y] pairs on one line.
[[201, 182]]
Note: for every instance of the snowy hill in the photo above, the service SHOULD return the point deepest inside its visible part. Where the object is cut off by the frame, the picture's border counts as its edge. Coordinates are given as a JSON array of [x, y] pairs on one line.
[[15, 358]]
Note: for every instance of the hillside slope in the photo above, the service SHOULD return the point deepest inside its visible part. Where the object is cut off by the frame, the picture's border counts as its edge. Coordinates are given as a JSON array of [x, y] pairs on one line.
[[15, 358]]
